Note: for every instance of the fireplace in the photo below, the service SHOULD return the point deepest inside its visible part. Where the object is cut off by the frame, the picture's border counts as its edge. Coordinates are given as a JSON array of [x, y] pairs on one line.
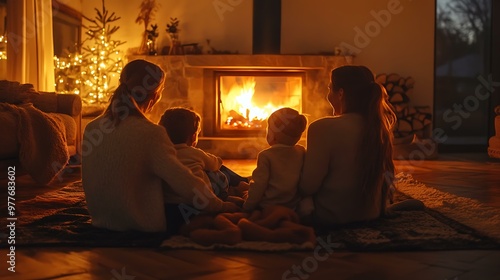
[[235, 94], [246, 98]]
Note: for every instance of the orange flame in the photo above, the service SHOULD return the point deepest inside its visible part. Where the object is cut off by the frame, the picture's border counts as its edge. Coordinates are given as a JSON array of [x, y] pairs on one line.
[[243, 108]]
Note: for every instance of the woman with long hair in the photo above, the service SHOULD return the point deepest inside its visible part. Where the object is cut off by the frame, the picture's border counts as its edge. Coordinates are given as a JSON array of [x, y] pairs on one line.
[[126, 157], [348, 166]]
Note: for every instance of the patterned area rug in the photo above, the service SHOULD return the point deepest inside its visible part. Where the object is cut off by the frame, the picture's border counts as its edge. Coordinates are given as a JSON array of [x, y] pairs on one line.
[[60, 218]]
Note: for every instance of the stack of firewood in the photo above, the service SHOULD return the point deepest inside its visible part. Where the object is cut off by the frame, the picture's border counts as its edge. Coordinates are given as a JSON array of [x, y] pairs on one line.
[[411, 120]]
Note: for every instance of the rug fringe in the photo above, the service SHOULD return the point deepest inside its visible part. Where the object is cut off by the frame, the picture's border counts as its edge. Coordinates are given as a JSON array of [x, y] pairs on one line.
[[485, 219]]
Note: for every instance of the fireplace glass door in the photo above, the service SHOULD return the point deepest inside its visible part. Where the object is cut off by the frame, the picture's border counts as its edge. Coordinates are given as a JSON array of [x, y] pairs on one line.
[[247, 98]]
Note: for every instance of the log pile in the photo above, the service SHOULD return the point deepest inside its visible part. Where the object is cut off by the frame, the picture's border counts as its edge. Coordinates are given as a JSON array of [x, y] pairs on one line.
[[412, 120]]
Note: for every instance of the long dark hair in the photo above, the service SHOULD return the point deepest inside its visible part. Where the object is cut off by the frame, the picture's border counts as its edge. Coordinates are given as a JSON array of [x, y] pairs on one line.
[[362, 95], [140, 82]]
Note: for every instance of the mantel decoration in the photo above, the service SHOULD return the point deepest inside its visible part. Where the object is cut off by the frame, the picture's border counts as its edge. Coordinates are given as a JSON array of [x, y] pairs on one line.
[[93, 71], [173, 34], [152, 35], [146, 15]]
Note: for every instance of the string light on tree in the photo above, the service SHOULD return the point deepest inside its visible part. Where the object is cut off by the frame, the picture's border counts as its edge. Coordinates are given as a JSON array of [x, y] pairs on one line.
[[101, 59], [68, 73], [3, 47], [91, 72]]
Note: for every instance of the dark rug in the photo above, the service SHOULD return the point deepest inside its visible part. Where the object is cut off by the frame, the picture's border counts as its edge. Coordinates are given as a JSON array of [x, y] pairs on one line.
[[60, 218]]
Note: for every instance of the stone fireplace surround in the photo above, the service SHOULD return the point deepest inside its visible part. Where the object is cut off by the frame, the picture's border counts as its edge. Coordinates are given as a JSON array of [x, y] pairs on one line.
[[191, 83]]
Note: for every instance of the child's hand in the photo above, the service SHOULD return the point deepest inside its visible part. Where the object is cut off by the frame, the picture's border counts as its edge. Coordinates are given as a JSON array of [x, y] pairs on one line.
[[230, 207], [241, 190], [236, 200], [244, 186]]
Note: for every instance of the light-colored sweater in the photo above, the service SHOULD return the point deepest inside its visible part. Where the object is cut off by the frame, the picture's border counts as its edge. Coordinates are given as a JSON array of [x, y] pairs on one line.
[[276, 177], [122, 172], [198, 160], [332, 171]]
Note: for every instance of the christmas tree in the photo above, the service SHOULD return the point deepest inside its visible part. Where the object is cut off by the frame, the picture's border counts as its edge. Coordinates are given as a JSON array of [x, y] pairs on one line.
[[91, 71], [101, 60]]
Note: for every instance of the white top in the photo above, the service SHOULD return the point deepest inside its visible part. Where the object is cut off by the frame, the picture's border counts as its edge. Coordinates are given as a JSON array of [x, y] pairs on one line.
[[331, 171], [122, 173], [198, 161], [276, 177]]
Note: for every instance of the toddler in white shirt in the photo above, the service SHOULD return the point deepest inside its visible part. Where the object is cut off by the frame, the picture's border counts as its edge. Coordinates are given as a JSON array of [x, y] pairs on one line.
[[275, 179], [183, 127]]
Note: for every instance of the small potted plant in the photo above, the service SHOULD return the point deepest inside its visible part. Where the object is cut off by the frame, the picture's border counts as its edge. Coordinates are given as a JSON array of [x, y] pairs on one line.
[[173, 33], [152, 34], [148, 9]]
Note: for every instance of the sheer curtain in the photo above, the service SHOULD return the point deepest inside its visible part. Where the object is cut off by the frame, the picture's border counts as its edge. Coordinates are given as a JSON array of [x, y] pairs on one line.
[[30, 51]]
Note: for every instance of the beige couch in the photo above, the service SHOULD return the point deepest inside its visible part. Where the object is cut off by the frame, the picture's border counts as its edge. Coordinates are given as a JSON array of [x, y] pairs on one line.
[[63, 111]]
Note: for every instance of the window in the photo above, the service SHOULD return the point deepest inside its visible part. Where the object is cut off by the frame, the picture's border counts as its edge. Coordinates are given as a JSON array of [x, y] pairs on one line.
[[67, 29], [463, 63]]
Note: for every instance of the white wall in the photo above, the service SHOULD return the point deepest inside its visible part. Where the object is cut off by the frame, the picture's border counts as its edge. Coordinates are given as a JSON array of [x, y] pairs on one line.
[[74, 4], [227, 23], [405, 45]]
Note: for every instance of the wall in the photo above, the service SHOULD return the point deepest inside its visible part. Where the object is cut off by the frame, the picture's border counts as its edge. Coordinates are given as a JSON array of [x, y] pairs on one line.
[[227, 23], [405, 45], [74, 4]]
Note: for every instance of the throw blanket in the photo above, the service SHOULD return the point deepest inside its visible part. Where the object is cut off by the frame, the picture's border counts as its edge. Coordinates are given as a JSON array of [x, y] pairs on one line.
[[42, 142]]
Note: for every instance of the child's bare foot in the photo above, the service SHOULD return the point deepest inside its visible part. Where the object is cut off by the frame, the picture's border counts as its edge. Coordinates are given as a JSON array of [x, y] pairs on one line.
[[273, 215], [254, 232], [235, 217], [304, 233], [255, 215], [197, 222], [291, 234], [224, 232]]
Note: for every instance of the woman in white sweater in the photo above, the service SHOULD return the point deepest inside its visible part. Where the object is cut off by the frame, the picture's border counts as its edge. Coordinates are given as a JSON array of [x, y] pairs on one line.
[[126, 157], [348, 166]]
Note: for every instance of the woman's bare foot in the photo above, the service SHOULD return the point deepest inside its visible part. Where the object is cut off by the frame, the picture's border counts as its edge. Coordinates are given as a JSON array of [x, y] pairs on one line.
[[407, 205]]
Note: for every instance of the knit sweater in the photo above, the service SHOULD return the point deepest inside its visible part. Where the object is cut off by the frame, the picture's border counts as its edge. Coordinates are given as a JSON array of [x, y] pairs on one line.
[[198, 160], [331, 171], [122, 172], [276, 177]]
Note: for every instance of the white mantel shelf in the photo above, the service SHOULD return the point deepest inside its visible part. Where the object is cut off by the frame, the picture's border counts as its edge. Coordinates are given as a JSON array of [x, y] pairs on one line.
[[275, 61]]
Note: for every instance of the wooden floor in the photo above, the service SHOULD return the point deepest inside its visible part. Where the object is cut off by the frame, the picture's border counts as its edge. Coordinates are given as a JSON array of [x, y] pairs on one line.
[[469, 175]]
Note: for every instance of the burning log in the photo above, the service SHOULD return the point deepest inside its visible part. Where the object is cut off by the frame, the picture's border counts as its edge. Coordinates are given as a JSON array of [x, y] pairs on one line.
[[237, 117], [236, 120]]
